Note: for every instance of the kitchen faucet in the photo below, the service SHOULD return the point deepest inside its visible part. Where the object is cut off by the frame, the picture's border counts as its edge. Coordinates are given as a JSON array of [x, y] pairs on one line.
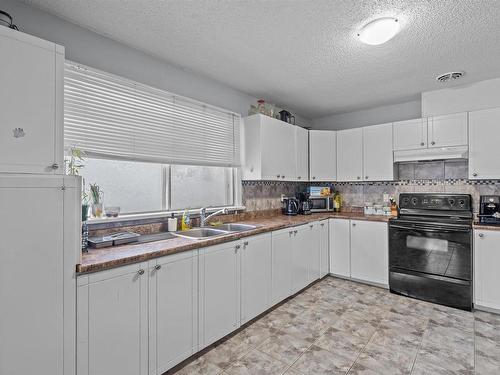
[[204, 218]]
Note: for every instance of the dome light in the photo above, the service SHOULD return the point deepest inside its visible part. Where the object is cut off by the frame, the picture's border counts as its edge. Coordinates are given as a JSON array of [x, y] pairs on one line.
[[379, 31]]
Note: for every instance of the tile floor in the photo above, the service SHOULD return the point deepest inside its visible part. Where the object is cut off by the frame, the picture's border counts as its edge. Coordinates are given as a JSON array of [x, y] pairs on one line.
[[341, 327]]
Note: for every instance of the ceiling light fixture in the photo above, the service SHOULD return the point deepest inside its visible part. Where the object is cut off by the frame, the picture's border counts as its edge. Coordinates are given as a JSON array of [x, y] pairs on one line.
[[379, 31], [450, 76]]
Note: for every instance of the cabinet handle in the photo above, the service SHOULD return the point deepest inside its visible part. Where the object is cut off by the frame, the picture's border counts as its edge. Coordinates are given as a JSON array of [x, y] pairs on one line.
[[278, 176], [54, 166], [237, 247], [314, 177], [140, 272], [294, 232], [359, 178], [298, 177], [245, 243], [158, 267], [353, 224], [322, 224], [310, 226], [366, 177], [290, 232], [433, 143], [481, 235], [474, 174], [283, 177], [422, 144]]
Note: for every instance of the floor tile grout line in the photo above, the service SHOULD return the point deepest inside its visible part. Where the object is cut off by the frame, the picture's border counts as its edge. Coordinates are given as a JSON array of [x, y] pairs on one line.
[[420, 345]]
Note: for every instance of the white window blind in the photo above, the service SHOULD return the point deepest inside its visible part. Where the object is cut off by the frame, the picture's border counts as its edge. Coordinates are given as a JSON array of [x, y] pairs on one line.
[[110, 116]]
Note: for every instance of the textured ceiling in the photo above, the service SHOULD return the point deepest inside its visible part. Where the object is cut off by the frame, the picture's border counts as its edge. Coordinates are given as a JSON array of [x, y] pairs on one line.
[[304, 53]]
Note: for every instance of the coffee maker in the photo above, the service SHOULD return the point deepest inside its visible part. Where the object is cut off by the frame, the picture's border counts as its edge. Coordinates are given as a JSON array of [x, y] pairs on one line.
[[489, 209], [305, 204]]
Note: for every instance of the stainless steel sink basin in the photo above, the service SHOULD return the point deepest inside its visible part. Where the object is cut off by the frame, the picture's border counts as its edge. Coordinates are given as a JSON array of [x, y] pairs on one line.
[[201, 233], [235, 227]]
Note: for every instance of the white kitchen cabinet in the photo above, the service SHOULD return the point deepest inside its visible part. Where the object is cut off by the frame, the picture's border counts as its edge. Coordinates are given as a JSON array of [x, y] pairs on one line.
[[302, 153], [369, 251], [378, 160], [301, 256], [281, 274], [322, 155], [486, 275], [314, 251], [31, 104], [350, 155], [219, 291], [447, 130], [340, 247], [484, 152], [112, 322], [255, 276], [324, 251], [173, 310], [410, 134], [39, 247], [270, 152]]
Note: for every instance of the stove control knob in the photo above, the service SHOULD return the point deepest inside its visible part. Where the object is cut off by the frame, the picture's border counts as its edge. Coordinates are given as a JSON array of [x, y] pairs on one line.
[[451, 202], [461, 202], [414, 201]]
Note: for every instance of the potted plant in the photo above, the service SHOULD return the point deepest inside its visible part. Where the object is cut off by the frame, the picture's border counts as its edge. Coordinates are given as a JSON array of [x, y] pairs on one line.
[[74, 164], [96, 196]]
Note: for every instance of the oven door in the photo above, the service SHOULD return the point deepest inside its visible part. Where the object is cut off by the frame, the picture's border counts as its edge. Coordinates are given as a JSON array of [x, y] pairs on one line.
[[432, 262]]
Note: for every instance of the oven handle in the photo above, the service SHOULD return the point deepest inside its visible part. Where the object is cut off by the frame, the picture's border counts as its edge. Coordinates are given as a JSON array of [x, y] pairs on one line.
[[431, 230]]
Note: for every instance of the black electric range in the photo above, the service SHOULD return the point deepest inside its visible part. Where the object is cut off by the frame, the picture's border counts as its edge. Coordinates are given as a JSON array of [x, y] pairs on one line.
[[430, 249]]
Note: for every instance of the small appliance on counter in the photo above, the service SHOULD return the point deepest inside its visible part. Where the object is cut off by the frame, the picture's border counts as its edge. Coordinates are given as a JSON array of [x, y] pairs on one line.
[[305, 203], [290, 206], [489, 209]]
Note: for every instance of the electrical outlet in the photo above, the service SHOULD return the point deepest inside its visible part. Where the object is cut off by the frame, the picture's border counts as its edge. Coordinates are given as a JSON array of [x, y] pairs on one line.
[[386, 198]]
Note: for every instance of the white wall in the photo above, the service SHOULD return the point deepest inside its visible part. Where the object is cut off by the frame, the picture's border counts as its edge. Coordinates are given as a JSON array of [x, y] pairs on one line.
[[372, 116], [474, 96], [89, 48]]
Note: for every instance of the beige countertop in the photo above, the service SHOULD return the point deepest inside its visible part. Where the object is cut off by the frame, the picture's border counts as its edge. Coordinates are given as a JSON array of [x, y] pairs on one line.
[[486, 226], [110, 257]]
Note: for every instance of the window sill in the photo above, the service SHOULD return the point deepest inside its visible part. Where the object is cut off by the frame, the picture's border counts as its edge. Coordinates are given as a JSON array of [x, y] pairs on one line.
[[150, 216]]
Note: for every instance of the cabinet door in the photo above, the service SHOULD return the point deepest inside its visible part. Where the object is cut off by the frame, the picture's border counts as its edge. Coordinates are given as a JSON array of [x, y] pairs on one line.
[[281, 265], [486, 275], [340, 247], [448, 130], [313, 252], [278, 144], [302, 153], [30, 104], [369, 251], [113, 323], [378, 161], [350, 155], [484, 153], [255, 276], [173, 312], [31, 280], [301, 256], [219, 291], [410, 134], [322, 155], [324, 251]]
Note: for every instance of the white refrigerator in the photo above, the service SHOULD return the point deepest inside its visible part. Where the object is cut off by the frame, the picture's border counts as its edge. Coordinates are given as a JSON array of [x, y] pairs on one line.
[[40, 228]]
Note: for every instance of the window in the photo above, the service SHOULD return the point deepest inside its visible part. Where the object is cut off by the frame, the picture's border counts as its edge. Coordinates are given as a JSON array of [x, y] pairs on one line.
[[150, 150]]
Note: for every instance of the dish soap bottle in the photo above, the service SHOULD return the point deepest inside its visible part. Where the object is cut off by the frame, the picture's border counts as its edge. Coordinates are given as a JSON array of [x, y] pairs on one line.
[[186, 221]]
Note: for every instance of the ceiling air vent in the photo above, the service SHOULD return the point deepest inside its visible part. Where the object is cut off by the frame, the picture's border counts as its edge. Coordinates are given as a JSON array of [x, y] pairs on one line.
[[450, 76]]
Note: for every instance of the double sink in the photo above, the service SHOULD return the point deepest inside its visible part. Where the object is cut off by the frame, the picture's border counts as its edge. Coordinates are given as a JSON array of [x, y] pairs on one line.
[[208, 232]]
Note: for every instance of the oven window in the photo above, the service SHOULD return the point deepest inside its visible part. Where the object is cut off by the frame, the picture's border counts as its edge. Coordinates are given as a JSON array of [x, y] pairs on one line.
[[426, 244]]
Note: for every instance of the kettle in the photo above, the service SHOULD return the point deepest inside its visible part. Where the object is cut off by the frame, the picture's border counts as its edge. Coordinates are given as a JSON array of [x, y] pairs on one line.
[[287, 117], [290, 206]]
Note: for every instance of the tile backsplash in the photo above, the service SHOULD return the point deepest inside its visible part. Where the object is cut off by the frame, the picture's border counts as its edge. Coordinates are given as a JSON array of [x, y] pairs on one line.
[[420, 177]]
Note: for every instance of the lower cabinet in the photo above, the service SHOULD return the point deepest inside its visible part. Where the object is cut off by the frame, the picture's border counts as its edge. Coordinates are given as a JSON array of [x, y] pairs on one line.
[[359, 249], [340, 247], [219, 291], [112, 322], [255, 276], [370, 251], [313, 252], [486, 275], [173, 310], [324, 250], [281, 265], [302, 253]]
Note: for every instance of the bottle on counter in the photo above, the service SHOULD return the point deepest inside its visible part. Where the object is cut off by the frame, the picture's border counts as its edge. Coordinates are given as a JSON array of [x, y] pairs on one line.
[[337, 202], [394, 207], [186, 221]]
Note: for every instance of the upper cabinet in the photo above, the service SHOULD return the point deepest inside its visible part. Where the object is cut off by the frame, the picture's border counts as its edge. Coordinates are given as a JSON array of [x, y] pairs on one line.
[[302, 153], [484, 153], [322, 155], [350, 155], [31, 104], [378, 162], [270, 149], [410, 134], [447, 130]]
